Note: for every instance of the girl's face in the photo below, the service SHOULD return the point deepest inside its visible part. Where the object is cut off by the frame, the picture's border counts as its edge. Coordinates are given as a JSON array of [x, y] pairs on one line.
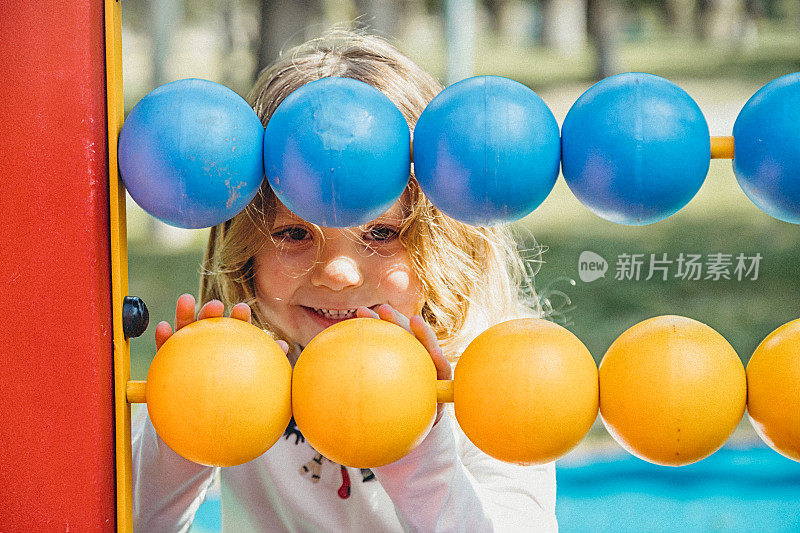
[[308, 279]]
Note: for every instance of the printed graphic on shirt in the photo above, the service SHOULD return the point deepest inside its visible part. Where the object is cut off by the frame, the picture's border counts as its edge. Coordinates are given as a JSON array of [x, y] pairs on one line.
[[313, 468], [292, 431]]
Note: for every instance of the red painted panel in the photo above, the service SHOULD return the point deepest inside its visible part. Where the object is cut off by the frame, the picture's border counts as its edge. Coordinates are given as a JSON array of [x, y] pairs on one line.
[[56, 365]]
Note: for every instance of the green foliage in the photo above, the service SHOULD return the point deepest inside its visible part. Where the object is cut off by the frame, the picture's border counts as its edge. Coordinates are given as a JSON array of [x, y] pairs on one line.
[[744, 312], [158, 277]]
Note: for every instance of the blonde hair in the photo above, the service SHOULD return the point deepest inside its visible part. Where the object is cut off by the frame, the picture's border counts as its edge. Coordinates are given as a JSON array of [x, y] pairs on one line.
[[471, 276]]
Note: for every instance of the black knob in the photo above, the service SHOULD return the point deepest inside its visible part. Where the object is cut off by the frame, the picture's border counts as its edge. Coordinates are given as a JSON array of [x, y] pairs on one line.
[[135, 317]]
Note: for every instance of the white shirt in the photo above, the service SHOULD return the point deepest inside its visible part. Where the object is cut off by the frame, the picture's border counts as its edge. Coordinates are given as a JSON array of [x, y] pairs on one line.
[[445, 484]]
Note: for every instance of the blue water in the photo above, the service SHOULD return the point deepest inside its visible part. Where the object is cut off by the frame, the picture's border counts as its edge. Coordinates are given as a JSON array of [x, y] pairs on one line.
[[734, 490], [208, 518]]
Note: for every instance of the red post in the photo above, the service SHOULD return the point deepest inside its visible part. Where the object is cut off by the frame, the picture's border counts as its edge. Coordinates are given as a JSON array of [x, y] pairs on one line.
[[56, 363]]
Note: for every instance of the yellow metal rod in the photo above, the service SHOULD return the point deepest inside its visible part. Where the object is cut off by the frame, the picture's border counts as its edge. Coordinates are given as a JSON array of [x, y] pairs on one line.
[[444, 390], [136, 391], [721, 147]]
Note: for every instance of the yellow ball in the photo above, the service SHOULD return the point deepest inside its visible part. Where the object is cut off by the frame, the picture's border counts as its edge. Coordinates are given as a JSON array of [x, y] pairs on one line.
[[672, 390], [773, 390], [219, 392], [526, 391], [364, 392]]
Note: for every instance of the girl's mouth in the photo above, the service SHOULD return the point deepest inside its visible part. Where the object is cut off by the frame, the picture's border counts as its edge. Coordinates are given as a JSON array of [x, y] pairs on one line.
[[335, 314], [328, 317]]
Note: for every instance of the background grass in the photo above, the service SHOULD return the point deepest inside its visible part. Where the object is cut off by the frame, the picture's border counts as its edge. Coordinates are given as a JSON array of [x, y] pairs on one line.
[[719, 220]]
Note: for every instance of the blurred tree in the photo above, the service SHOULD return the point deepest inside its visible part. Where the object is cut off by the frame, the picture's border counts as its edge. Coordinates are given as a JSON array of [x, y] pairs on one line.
[[512, 22], [282, 25], [721, 21], [166, 16], [760, 8], [679, 17], [506, 20], [136, 14], [460, 36], [380, 16], [494, 8], [724, 21], [236, 24], [564, 25], [603, 28]]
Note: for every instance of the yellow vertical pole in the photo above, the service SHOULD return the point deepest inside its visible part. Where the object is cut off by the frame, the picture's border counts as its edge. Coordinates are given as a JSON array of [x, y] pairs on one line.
[[119, 266]]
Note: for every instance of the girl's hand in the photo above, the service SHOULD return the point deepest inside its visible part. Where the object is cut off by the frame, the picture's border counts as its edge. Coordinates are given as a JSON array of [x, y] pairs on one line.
[[424, 334], [184, 315]]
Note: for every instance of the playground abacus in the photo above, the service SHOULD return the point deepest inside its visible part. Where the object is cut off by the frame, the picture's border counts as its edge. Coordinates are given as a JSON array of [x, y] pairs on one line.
[[66, 429], [634, 149]]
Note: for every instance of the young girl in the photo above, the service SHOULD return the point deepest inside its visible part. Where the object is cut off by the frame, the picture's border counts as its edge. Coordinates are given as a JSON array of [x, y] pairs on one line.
[[444, 281]]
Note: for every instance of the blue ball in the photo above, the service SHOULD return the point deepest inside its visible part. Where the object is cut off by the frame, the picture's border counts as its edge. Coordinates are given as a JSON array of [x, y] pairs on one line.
[[486, 151], [191, 153], [766, 138], [635, 148], [337, 152]]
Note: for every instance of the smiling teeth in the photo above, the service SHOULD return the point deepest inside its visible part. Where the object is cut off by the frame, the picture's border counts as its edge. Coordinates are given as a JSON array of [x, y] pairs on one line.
[[335, 313]]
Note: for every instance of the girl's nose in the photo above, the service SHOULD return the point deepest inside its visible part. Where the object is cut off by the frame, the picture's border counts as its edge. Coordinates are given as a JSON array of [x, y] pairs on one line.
[[337, 273]]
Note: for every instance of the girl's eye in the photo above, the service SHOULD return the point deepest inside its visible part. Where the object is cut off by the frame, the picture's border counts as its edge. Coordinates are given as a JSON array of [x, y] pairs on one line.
[[381, 233], [294, 233]]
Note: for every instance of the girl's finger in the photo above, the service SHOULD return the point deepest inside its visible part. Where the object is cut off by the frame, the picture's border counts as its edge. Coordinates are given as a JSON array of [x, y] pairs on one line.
[[241, 311], [163, 332], [424, 334], [212, 309], [388, 313], [184, 311], [284, 346], [366, 312]]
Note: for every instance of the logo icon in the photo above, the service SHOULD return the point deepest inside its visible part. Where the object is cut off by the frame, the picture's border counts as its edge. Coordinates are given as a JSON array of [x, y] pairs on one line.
[[591, 266]]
